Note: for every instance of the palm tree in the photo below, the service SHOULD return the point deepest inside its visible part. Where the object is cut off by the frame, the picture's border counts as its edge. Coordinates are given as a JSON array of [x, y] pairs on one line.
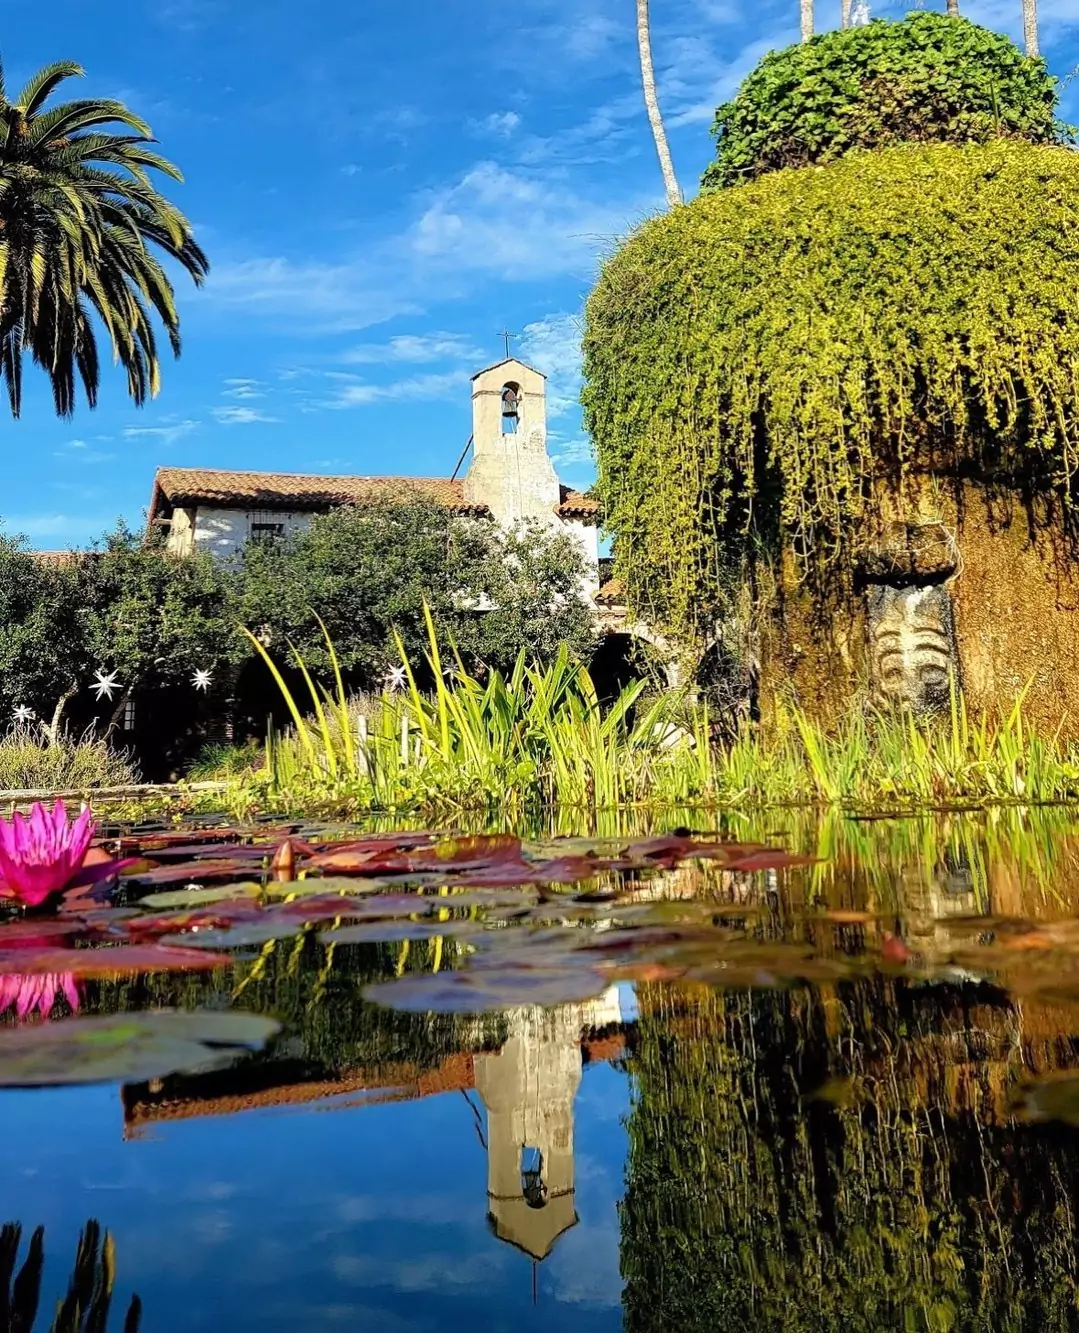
[[80, 225], [651, 102], [1030, 27], [807, 20]]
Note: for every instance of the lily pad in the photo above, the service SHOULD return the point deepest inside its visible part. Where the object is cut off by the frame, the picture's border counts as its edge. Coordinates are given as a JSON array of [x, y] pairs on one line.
[[488, 989], [128, 1047], [204, 897], [125, 960]]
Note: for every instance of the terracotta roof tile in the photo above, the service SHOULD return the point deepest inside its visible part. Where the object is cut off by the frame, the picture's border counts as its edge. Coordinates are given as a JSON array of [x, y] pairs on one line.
[[282, 490], [612, 593], [576, 504]]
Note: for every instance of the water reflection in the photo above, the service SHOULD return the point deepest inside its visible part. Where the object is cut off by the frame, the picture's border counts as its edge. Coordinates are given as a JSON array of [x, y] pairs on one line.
[[86, 1305], [878, 1152]]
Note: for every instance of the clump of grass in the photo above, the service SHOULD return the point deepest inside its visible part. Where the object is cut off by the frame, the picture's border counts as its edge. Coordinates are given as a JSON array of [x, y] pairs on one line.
[[33, 760], [220, 763], [540, 737]]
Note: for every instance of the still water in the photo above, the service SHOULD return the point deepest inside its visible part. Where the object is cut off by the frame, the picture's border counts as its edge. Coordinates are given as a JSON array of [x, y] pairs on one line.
[[892, 1145]]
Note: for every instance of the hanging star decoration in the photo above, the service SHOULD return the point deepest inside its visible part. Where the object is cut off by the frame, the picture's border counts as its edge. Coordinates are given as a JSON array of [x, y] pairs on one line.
[[395, 680], [202, 680], [21, 715], [105, 686]]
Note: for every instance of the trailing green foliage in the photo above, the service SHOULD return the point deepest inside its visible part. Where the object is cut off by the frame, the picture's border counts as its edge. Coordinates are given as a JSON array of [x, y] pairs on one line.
[[929, 78], [757, 359]]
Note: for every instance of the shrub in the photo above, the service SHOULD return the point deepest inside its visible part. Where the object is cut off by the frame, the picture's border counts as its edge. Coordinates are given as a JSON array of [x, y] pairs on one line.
[[31, 761], [926, 79], [756, 360]]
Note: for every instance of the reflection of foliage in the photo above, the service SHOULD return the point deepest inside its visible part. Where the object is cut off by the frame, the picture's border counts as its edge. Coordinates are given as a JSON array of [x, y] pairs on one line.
[[85, 1308], [913, 1201], [316, 992]]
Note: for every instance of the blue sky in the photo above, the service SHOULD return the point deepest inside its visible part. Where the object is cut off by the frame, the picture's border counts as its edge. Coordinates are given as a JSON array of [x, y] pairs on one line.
[[381, 187]]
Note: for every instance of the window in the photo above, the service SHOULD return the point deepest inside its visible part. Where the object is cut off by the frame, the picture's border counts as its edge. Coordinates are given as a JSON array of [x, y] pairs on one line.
[[267, 532], [511, 409], [128, 721], [533, 1186]]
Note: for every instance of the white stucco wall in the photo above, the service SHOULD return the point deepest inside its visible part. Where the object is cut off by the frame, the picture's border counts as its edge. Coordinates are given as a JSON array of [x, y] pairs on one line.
[[587, 536], [225, 532]]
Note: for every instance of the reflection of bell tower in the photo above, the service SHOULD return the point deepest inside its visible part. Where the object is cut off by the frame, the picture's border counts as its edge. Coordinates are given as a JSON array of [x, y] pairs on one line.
[[528, 1089], [512, 473]]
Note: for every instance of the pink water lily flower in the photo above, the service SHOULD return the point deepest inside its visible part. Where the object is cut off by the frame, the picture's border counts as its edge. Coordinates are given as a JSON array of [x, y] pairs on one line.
[[27, 994], [40, 855]]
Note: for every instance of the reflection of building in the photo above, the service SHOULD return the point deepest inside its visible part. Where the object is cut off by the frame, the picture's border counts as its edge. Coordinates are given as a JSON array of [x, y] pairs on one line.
[[528, 1088]]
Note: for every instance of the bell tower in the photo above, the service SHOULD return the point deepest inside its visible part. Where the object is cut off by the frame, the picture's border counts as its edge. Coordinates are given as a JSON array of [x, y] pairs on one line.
[[512, 473]]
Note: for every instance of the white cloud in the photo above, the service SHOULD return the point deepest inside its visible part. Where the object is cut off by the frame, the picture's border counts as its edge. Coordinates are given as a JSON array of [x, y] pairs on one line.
[[417, 387], [77, 452], [553, 345], [415, 348], [502, 124], [571, 453], [168, 433], [243, 388], [521, 225], [310, 296], [240, 416]]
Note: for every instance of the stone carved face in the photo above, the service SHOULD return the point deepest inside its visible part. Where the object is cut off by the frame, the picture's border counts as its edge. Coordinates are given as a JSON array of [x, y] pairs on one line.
[[912, 645], [913, 656]]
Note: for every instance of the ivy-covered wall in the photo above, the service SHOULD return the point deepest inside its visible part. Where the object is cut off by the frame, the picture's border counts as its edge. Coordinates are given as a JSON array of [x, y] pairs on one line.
[[759, 360]]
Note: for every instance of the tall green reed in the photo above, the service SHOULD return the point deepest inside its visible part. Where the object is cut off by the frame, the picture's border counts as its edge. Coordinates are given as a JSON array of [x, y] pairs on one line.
[[541, 735]]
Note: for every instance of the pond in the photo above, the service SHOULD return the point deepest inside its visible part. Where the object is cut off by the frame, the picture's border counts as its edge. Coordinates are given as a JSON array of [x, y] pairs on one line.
[[687, 1086]]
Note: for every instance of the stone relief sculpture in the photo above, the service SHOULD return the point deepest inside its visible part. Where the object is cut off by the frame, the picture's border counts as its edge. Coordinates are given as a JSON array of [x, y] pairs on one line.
[[913, 657]]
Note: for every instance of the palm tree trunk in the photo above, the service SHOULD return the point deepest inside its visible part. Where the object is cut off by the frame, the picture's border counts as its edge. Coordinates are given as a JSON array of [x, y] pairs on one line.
[[844, 13], [953, 8], [648, 82], [807, 20], [1030, 27]]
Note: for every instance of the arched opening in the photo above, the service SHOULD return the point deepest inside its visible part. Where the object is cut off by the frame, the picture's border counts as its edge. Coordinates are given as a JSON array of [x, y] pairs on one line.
[[533, 1186], [511, 408], [617, 663]]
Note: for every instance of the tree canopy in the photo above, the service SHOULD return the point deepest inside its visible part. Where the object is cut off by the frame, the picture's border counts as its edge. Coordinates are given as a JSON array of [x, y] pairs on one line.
[[81, 225], [368, 571], [930, 78], [755, 360]]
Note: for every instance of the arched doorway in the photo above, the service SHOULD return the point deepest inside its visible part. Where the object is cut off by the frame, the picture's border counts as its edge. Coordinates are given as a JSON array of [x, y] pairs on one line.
[[618, 662]]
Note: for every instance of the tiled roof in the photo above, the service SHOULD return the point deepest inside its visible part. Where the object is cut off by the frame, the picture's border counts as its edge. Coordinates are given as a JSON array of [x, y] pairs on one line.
[[56, 558], [285, 490], [576, 504], [612, 593]]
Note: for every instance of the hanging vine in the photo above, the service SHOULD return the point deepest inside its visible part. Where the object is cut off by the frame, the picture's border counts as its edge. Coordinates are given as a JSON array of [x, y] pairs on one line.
[[758, 360]]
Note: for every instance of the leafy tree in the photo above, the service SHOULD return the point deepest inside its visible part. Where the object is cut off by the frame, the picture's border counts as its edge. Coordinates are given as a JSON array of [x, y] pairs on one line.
[[42, 652], [80, 221], [368, 571], [154, 619], [930, 78]]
